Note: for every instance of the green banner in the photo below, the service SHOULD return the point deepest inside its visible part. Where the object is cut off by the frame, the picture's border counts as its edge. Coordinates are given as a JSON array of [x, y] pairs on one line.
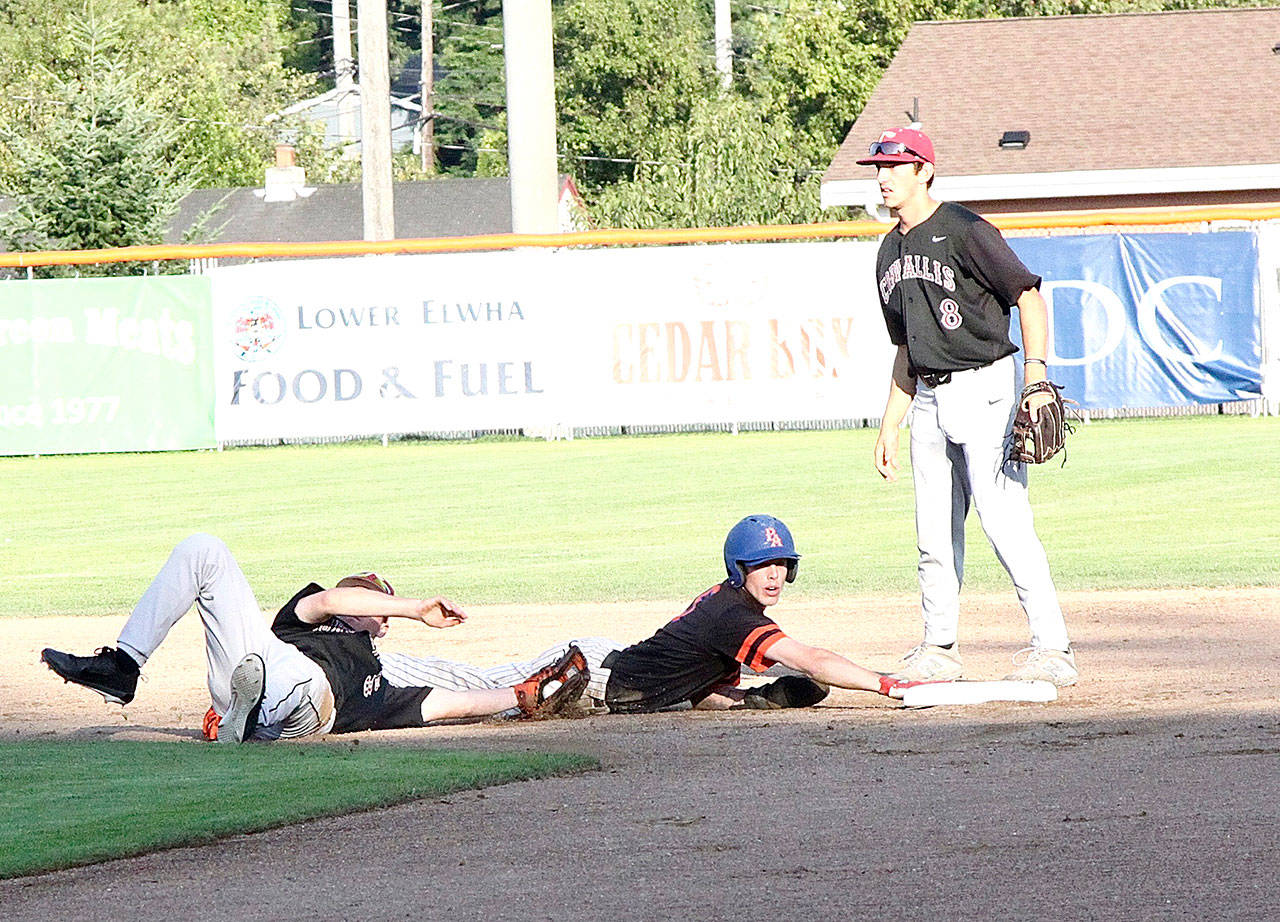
[[113, 364]]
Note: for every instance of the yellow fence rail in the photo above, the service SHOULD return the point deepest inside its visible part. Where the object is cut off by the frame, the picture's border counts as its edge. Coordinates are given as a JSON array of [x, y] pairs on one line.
[[756, 233]]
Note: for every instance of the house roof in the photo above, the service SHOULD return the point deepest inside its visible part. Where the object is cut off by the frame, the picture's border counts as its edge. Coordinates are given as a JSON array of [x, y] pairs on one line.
[[431, 208], [1138, 101]]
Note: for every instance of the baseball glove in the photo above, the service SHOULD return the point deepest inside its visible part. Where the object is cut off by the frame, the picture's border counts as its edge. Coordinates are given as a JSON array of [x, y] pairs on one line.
[[790, 691], [1035, 441], [554, 688]]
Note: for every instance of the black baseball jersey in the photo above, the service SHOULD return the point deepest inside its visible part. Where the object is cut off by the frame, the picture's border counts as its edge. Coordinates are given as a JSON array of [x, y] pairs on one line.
[[723, 629], [362, 699], [946, 289]]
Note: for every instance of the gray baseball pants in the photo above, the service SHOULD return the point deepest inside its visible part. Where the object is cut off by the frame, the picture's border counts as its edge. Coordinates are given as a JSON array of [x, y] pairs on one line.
[[958, 437], [201, 572]]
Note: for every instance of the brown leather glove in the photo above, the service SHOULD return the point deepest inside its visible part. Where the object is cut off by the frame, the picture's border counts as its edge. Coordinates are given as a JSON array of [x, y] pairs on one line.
[[1035, 441]]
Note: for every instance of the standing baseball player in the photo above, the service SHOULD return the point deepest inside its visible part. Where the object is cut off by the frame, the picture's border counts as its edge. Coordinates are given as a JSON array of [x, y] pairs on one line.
[[947, 281], [315, 670], [698, 656]]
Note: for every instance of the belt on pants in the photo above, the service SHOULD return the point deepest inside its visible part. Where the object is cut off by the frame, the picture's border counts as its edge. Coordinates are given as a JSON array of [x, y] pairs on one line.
[[938, 378]]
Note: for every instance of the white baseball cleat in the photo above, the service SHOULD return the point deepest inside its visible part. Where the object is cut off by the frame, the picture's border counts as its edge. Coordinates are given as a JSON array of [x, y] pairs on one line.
[[1056, 666], [927, 663], [248, 684]]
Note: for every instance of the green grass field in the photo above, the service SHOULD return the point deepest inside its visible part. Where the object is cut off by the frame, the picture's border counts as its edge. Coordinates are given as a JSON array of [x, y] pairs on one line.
[[71, 803], [1142, 503]]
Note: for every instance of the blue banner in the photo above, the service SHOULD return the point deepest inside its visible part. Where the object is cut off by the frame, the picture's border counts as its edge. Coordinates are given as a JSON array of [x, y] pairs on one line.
[[1147, 320]]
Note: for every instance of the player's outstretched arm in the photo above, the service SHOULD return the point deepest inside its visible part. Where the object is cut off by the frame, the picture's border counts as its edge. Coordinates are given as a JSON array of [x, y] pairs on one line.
[[721, 698], [825, 666], [357, 602]]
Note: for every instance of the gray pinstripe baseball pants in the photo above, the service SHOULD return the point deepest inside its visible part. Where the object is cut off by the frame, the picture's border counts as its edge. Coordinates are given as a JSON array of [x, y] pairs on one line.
[[407, 671]]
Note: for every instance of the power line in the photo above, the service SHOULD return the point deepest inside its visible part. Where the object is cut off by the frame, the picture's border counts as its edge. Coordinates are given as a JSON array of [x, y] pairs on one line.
[[460, 3], [474, 150], [470, 99], [471, 25], [467, 38], [395, 18], [580, 158]]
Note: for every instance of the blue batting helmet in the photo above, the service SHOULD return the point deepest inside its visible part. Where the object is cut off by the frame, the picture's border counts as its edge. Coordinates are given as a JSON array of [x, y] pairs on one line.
[[758, 539]]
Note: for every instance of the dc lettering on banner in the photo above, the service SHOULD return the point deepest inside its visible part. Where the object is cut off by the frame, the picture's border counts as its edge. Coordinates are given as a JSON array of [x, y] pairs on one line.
[[1151, 319]]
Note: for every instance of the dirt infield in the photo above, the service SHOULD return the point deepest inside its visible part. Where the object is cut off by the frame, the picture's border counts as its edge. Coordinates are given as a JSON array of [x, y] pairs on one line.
[[1145, 792]]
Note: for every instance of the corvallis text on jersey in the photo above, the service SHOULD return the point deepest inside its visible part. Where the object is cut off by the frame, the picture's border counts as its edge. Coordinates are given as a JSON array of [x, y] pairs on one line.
[[916, 267]]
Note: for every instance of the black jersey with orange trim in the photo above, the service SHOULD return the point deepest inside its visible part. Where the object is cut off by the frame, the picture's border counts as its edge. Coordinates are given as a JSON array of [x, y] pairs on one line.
[[706, 646]]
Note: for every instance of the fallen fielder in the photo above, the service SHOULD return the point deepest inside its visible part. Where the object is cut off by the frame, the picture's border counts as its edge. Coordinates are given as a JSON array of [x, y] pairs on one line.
[[314, 670]]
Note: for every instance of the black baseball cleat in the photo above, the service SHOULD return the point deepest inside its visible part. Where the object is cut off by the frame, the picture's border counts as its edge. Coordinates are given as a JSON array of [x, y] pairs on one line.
[[248, 686], [110, 672]]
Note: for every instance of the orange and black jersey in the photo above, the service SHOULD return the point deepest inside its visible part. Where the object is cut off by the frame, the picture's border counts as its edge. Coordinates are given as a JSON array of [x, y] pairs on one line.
[[724, 629]]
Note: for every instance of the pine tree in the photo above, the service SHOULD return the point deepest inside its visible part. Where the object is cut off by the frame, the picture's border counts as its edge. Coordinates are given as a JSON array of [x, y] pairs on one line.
[[101, 171]]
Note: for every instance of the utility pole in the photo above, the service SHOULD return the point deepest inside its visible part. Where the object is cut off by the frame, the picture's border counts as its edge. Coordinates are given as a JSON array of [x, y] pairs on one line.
[[375, 120], [344, 69], [724, 43], [426, 87], [531, 116]]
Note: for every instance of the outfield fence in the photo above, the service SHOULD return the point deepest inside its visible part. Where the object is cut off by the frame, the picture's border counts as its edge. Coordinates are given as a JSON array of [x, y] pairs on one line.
[[599, 332]]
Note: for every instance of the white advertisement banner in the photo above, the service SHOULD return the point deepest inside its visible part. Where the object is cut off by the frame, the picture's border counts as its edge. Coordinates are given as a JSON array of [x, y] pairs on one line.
[[534, 339], [731, 333], [376, 345]]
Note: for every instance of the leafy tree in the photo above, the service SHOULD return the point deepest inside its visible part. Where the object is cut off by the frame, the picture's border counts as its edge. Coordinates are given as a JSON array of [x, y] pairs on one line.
[[491, 151], [102, 174], [729, 165], [636, 87], [629, 74], [221, 64], [816, 65], [214, 67], [471, 84]]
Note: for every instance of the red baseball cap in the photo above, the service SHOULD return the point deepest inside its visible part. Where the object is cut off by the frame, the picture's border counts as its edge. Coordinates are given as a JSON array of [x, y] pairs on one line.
[[367, 580], [899, 145]]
